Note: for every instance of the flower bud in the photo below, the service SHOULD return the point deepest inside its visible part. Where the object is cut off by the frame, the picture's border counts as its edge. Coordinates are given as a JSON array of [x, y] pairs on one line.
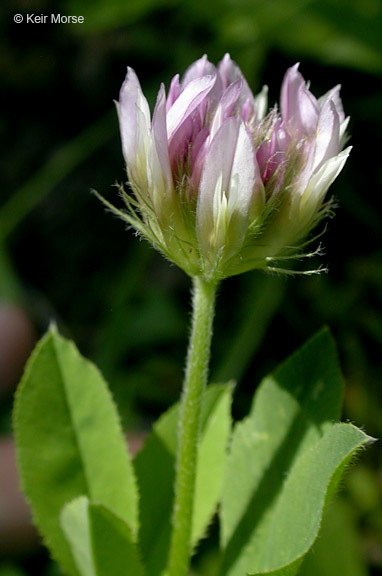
[[220, 186]]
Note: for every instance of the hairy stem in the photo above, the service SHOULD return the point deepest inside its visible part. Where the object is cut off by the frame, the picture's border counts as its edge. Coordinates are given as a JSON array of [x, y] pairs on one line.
[[195, 381]]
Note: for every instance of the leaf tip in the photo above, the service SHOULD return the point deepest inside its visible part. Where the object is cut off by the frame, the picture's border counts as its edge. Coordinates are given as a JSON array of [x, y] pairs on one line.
[[53, 328], [370, 440]]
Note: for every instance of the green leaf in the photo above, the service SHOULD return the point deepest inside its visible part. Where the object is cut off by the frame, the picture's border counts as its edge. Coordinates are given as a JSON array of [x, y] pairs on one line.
[[285, 458], [155, 469], [69, 441], [296, 519], [101, 543], [337, 550]]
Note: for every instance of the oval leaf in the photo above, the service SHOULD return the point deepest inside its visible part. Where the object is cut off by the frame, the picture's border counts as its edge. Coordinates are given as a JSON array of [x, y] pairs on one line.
[[293, 411], [69, 441], [291, 530]]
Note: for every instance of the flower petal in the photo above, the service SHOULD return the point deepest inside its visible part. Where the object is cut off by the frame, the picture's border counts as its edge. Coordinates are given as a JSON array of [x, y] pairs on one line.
[[225, 106], [217, 170], [193, 94], [246, 197], [159, 130], [261, 103], [319, 184], [173, 92], [201, 67], [129, 95], [245, 168], [334, 95], [327, 135], [299, 108], [229, 73], [227, 185]]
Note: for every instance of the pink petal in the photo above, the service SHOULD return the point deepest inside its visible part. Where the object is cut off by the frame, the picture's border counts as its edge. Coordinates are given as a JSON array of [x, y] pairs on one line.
[[299, 108], [230, 96], [173, 92], [159, 130], [230, 72], [225, 107], [198, 152], [127, 114], [201, 67], [289, 90], [194, 93], [271, 154], [180, 141]]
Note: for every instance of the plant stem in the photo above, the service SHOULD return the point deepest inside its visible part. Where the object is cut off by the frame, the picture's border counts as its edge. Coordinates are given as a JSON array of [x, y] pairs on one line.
[[195, 381]]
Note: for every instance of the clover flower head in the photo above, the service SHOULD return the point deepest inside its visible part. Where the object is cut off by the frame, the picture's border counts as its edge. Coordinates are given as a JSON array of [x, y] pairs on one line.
[[219, 184]]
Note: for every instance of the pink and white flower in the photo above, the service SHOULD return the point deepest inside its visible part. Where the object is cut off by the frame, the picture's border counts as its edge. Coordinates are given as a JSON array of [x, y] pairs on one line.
[[220, 186]]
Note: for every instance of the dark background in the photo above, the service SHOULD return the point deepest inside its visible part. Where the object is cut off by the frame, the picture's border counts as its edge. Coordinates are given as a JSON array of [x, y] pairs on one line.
[[63, 258]]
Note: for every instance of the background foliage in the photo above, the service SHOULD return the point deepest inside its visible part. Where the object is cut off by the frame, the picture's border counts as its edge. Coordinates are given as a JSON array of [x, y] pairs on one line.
[[63, 258]]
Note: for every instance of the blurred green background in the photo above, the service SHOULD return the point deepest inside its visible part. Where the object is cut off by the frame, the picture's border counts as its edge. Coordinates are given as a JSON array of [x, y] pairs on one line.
[[63, 258]]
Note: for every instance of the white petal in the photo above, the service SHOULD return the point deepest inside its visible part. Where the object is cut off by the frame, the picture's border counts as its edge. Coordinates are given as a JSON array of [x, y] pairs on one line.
[[129, 95], [244, 166], [217, 166], [334, 95], [261, 103], [319, 183], [326, 142], [343, 127], [227, 187]]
